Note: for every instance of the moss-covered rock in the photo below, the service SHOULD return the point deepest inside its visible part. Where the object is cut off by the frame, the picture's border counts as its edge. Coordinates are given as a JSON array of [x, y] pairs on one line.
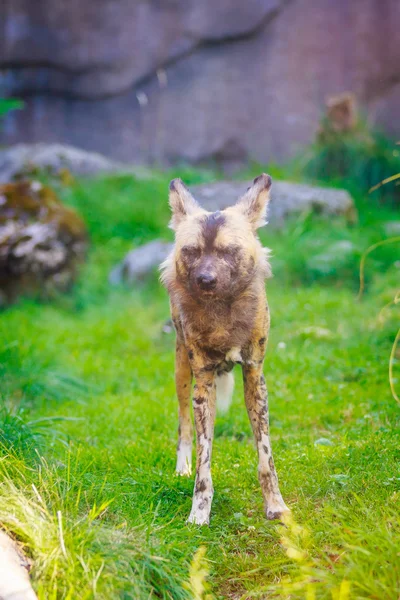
[[41, 241]]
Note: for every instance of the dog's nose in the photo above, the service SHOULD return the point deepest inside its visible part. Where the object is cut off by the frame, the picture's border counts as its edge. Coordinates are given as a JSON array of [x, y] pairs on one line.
[[206, 281]]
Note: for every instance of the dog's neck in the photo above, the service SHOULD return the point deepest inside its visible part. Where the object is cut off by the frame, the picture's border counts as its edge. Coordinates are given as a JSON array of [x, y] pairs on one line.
[[220, 323]]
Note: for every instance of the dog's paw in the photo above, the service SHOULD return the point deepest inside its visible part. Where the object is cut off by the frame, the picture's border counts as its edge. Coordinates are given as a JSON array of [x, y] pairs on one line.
[[184, 460], [277, 511], [199, 517], [201, 509], [184, 470]]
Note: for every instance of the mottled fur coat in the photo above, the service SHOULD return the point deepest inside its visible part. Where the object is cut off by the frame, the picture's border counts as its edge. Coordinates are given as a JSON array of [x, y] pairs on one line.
[[215, 277]]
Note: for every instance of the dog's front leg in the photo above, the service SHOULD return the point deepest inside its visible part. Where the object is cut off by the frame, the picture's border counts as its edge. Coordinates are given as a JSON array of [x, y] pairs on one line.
[[204, 417], [183, 382], [256, 397]]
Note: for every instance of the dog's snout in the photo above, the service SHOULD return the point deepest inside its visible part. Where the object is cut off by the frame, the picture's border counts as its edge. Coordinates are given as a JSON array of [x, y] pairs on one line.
[[206, 281]]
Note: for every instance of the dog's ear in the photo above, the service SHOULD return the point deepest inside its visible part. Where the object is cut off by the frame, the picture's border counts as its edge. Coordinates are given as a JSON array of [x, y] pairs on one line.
[[181, 202], [255, 202]]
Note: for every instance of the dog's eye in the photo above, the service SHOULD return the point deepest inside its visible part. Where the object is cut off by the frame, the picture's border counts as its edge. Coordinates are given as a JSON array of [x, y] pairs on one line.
[[190, 252], [228, 251]]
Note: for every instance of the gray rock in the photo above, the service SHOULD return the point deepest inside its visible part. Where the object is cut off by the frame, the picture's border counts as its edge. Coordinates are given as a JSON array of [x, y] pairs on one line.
[[286, 199], [323, 442], [392, 228], [216, 80], [24, 159], [140, 261], [42, 242]]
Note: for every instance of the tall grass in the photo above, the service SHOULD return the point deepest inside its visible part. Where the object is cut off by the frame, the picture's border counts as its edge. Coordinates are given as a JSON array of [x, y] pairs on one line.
[[359, 561], [51, 513]]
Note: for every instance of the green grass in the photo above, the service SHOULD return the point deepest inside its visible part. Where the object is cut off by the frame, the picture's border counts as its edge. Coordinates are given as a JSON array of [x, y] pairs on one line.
[[88, 431]]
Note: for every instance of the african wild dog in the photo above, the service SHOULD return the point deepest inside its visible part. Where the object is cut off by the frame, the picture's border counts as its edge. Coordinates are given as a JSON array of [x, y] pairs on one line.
[[215, 276]]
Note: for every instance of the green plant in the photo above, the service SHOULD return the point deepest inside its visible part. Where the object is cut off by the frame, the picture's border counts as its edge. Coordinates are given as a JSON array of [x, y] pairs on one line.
[[394, 301], [362, 157], [9, 104]]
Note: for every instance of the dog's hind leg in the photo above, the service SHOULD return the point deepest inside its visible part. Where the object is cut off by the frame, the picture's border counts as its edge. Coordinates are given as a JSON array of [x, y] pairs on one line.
[[183, 382], [204, 398], [256, 397]]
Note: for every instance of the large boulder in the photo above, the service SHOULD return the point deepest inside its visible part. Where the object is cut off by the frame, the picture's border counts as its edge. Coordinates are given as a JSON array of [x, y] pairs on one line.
[[96, 48], [42, 242], [24, 160], [140, 262], [216, 80]]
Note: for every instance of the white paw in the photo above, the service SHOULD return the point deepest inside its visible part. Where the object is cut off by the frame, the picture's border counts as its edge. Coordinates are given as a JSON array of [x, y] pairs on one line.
[[184, 460], [277, 510], [201, 508], [184, 470], [199, 517]]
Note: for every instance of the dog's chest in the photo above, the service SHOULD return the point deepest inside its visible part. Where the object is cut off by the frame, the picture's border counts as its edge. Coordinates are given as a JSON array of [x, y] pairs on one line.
[[222, 333]]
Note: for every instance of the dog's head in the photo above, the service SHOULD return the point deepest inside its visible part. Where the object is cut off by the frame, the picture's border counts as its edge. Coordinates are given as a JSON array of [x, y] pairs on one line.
[[218, 254]]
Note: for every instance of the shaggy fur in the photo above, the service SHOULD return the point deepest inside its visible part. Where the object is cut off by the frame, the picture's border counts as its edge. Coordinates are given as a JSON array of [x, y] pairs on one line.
[[215, 277]]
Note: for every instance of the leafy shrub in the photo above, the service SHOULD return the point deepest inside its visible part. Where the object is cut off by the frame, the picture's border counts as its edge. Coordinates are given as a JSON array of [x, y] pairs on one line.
[[361, 158], [8, 104]]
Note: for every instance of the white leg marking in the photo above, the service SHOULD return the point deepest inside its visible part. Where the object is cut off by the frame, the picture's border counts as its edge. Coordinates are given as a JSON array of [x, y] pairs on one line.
[[184, 459]]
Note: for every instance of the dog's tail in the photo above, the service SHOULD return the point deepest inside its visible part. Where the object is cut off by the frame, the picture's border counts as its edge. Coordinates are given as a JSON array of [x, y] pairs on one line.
[[225, 383]]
